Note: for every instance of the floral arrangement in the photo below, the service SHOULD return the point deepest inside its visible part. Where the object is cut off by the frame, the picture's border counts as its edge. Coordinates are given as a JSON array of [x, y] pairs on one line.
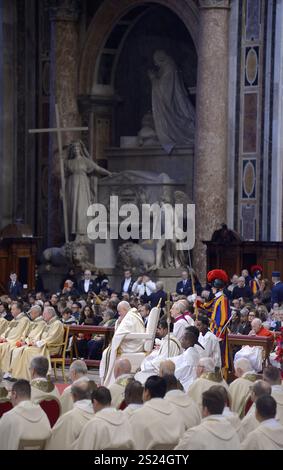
[[279, 349]]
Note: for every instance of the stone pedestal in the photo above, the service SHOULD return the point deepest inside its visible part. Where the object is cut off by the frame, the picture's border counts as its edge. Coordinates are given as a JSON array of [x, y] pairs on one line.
[[210, 187]]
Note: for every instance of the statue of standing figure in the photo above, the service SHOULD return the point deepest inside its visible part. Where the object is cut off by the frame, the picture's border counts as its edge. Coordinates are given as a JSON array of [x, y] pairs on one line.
[[173, 113], [79, 167]]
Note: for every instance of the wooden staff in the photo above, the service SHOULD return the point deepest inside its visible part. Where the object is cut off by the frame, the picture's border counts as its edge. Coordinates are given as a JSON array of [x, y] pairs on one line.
[[191, 271], [168, 304]]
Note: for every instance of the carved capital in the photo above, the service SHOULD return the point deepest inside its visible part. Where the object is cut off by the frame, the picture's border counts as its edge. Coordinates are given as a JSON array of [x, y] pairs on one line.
[[63, 10], [214, 4]]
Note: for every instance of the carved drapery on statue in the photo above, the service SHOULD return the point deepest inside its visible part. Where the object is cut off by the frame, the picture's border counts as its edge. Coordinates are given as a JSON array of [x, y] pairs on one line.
[[174, 115]]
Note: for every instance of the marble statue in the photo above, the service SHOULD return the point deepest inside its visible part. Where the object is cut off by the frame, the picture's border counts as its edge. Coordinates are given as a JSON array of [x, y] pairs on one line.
[[147, 135], [79, 166], [173, 113], [134, 255]]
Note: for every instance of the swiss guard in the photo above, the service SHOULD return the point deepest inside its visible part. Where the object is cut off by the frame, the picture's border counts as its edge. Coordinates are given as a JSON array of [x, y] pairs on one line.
[[255, 283]]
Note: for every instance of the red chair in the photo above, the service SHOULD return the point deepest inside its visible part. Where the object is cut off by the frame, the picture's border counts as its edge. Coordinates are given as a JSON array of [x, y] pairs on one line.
[[5, 405], [123, 405], [52, 408]]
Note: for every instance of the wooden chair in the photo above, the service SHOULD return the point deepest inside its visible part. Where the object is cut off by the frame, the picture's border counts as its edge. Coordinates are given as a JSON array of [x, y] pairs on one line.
[[5, 405], [32, 444], [60, 358], [52, 407]]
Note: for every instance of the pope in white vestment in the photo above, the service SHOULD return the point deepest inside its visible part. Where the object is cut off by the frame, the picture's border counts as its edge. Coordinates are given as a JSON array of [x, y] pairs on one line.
[[69, 426], [214, 433], [25, 421], [130, 322], [108, 430]]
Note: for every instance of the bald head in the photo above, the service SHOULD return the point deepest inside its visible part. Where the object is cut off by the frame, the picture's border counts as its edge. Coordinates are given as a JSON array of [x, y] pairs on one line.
[[81, 391], [166, 368], [123, 308], [256, 325], [260, 388], [122, 366]]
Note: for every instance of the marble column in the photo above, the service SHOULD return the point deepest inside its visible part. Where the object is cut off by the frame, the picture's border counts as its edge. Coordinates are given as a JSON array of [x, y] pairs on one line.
[[211, 159], [64, 16]]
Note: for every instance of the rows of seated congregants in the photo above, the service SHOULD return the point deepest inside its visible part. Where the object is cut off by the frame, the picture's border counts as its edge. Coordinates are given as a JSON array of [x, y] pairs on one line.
[[183, 368], [158, 415]]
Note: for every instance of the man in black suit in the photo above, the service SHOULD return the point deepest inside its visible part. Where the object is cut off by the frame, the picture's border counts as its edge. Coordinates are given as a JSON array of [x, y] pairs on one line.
[[184, 287], [127, 283], [154, 298], [241, 290], [277, 289], [86, 285], [15, 288]]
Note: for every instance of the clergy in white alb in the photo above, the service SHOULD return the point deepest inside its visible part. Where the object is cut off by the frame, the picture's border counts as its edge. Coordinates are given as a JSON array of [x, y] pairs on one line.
[[269, 434], [122, 374], [108, 430], [41, 386], [133, 397], [208, 340], [187, 408], [15, 331], [69, 426], [249, 422], [187, 362], [272, 375], [165, 348], [231, 416], [77, 373], [129, 321], [26, 421], [239, 389], [46, 346], [206, 377], [215, 432], [36, 328], [158, 424]]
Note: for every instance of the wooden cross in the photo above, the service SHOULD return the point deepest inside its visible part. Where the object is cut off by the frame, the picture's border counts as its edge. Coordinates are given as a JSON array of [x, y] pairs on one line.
[[58, 129]]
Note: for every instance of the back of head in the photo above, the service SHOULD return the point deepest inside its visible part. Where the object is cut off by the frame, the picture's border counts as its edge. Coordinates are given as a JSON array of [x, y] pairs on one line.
[[40, 365], [122, 366], [194, 330], [242, 366], [102, 395], [134, 392], [222, 390], [166, 368], [163, 323], [81, 391], [266, 407], [260, 388], [272, 375], [207, 363], [171, 382], [213, 401], [204, 320], [22, 388], [79, 368], [155, 386]]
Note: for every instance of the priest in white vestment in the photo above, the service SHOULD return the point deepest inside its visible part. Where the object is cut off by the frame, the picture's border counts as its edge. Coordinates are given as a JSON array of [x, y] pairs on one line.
[[249, 422], [215, 432], [69, 426], [77, 373], [158, 424], [187, 408], [165, 348], [129, 321], [231, 416], [272, 375], [41, 386], [206, 377], [269, 434], [122, 374], [209, 341], [26, 421], [133, 397], [46, 346], [108, 430], [14, 332], [239, 389], [186, 363]]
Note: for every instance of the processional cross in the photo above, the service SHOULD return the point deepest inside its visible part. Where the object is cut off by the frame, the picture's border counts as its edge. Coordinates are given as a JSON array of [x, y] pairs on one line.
[[59, 130]]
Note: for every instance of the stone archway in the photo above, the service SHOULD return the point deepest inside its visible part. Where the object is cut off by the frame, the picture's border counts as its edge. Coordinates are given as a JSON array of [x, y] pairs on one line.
[[105, 20]]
